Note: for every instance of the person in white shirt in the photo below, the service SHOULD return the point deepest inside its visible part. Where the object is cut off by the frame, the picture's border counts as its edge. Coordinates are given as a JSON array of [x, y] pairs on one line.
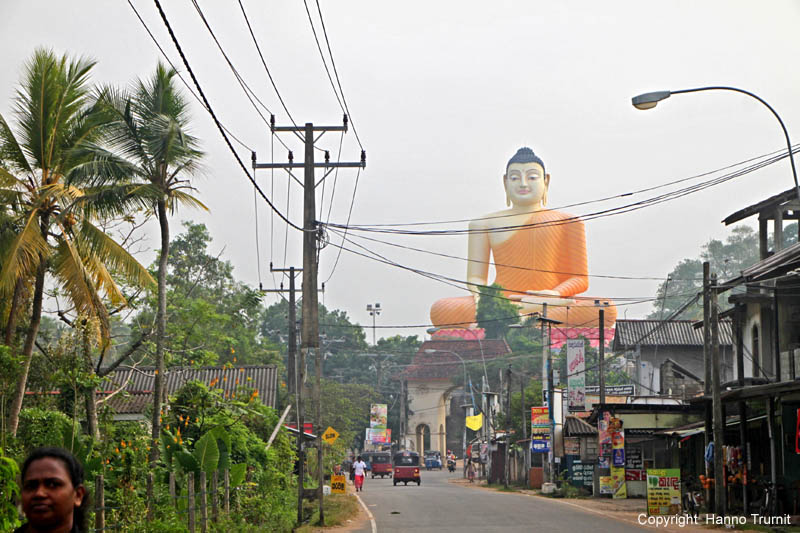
[[360, 469]]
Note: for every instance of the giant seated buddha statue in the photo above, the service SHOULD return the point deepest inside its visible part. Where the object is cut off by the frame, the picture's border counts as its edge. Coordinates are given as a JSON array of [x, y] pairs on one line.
[[539, 255]]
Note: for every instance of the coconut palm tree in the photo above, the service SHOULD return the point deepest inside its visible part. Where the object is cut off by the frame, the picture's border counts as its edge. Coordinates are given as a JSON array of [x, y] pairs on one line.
[[40, 163], [147, 159]]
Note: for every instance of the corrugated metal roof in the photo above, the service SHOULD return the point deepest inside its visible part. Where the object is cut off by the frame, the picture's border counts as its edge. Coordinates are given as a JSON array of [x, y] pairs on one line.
[[629, 332], [443, 364], [769, 203], [263, 378]]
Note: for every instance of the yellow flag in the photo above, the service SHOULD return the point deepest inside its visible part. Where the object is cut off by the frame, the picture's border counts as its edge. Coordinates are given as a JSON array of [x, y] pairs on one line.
[[475, 422]]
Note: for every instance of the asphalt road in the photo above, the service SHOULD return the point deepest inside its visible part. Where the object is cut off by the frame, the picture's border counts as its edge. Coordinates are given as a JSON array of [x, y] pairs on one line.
[[443, 507]]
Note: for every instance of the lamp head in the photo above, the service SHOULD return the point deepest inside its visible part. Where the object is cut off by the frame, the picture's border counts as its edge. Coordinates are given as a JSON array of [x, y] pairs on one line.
[[649, 100]]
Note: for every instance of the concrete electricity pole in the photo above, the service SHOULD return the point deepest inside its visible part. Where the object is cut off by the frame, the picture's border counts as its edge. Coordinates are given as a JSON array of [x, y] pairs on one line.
[[719, 479], [296, 377], [311, 235], [707, 363]]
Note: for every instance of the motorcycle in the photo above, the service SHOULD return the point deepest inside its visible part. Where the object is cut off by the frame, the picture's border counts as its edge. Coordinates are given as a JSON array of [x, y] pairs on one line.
[[451, 465]]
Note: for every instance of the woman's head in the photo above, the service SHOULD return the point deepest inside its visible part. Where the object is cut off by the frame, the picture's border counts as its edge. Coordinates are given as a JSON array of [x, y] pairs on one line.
[[53, 494], [358, 458]]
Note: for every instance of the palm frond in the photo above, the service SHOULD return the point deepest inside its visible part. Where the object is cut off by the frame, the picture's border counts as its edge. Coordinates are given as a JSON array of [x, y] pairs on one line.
[[21, 255], [108, 252], [182, 198], [76, 281], [10, 150]]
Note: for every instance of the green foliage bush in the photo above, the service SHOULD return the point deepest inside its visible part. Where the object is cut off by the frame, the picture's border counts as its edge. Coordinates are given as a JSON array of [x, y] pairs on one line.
[[41, 427]]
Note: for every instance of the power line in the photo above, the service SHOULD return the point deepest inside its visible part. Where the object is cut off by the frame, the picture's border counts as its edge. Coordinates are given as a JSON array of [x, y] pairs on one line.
[[177, 72], [795, 149], [214, 116], [462, 283], [322, 55], [344, 237], [516, 267], [564, 219], [336, 73], [266, 68]]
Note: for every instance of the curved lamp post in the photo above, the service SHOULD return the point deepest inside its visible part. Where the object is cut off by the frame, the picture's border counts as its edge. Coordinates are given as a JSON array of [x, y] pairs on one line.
[[464, 429], [650, 100]]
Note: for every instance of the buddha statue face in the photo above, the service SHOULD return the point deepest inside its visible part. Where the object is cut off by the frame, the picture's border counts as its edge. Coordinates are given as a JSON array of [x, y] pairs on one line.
[[526, 185]]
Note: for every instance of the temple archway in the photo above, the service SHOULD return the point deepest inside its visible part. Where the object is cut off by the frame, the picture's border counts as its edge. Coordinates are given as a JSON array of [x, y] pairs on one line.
[[423, 438]]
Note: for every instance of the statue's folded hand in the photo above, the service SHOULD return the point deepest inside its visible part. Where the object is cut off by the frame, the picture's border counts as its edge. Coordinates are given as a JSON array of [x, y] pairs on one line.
[[532, 301]]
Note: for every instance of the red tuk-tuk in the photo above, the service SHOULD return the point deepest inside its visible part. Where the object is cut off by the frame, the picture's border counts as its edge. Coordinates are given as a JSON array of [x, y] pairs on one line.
[[406, 468], [381, 465]]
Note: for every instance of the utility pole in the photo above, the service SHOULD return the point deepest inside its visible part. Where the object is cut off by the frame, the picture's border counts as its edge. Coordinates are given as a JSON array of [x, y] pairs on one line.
[[508, 425], [526, 419], [291, 362], [311, 235], [719, 479], [551, 407], [707, 363], [296, 378], [545, 383], [601, 354]]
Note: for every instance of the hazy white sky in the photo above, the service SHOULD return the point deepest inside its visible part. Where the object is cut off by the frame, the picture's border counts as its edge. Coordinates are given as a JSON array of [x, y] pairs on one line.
[[442, 94]]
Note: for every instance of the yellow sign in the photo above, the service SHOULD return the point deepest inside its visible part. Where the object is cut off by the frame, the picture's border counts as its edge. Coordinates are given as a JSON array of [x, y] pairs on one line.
[[330, 435], [663, 491], [337, 484], [475, 422]]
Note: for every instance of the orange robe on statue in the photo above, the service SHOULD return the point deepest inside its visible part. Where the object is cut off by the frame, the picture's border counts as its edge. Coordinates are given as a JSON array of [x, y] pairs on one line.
[[551, 255]]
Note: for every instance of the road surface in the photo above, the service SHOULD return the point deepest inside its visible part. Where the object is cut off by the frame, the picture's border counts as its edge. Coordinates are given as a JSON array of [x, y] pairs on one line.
[[444, 507]]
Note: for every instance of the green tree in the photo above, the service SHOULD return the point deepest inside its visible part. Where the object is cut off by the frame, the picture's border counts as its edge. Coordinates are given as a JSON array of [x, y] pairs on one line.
[[44, 185], [150, 159], [739, 251], [495, 313], [213, 319]]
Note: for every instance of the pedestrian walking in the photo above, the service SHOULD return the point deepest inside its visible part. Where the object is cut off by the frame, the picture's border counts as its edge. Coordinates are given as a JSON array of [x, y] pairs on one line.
[[359, 470], [471, 471]]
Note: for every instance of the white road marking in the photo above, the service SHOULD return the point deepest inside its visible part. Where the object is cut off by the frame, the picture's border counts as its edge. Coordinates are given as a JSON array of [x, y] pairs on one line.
[[369, 513]]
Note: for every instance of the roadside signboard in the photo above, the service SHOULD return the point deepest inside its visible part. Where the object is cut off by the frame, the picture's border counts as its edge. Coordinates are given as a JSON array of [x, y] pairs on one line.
[[580, 474], [663, 491], [576, 375], [572, 446], [330, 435], [337, 484], [540, 429]]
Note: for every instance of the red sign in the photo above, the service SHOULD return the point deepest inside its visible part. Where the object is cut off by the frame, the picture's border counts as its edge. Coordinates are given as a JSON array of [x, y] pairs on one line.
[[635, 475], [308, 427]]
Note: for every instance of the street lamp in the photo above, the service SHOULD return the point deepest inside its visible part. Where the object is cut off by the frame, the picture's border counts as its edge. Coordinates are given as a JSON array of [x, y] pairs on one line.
[[466, 392], [373, 311], [650, 100]]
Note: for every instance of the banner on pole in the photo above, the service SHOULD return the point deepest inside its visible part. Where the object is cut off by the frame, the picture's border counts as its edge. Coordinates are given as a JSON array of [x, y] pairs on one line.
[[576, 375]]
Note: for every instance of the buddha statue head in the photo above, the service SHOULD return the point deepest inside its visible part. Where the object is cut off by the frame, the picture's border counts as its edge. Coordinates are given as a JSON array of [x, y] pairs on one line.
[[525, 180]]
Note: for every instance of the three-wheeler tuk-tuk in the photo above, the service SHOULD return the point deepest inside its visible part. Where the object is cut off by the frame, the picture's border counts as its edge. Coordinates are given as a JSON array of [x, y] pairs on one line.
[[381, 465], [406, 468]]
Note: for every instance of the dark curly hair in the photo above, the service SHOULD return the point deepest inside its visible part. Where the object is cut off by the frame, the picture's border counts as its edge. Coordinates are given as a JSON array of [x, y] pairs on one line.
[[76, 475]]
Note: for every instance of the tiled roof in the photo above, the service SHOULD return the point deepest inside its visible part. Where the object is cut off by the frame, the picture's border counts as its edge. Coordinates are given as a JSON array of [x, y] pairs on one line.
[[263, 378], [129, 403], [443, 364], [670, 333], [575, 427]]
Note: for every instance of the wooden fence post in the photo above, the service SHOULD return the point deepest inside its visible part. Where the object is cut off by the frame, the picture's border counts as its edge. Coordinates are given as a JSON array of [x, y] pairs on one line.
[[99, 504], [227, 481], [150, 498], [172, 494], [214, 503], [204, 502], [190, 500]]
